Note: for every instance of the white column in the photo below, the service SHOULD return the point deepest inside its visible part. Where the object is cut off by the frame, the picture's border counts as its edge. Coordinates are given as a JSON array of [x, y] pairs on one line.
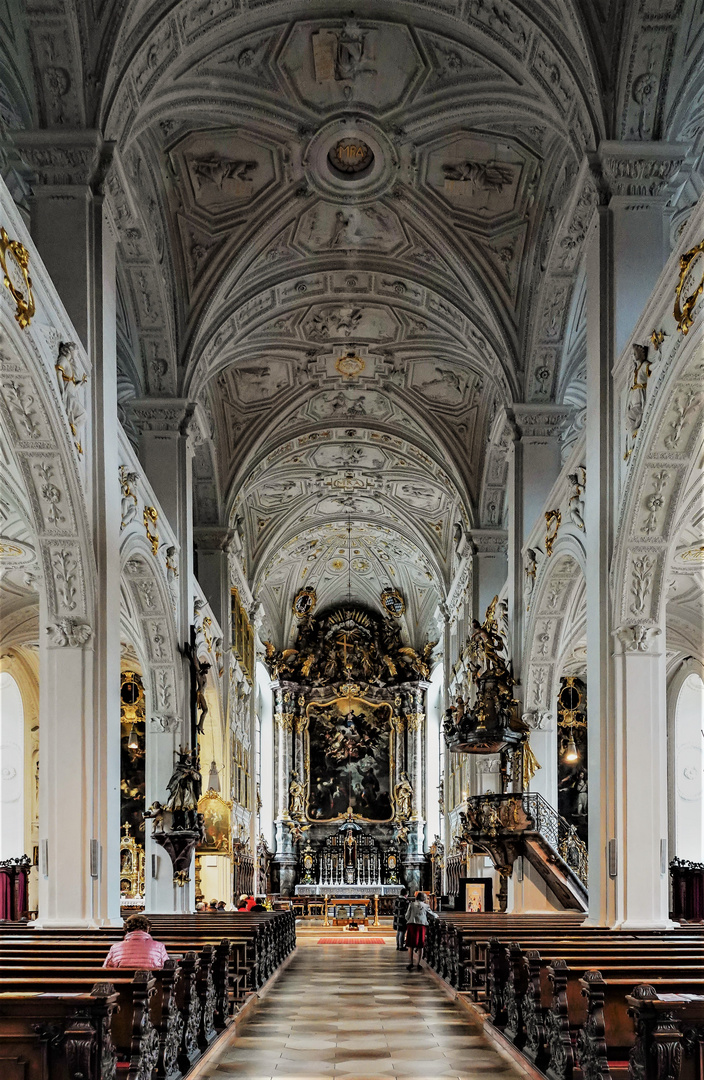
[[490, 566], [77, 243], [641, 711], [625, 253]]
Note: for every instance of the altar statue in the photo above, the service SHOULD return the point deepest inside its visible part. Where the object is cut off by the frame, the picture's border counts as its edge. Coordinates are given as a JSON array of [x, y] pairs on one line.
[[296, 797], [404, 798]]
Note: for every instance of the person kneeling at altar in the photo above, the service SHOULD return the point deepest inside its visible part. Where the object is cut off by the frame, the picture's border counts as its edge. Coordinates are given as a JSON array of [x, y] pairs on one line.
[[416, 927], [138, 949]]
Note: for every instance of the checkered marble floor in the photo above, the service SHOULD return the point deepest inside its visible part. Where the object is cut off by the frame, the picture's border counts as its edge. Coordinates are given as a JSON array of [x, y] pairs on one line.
[[357, 1013]]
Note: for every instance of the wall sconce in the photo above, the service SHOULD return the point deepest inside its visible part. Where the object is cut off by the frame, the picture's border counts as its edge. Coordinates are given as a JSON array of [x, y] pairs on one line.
[[571, 754]]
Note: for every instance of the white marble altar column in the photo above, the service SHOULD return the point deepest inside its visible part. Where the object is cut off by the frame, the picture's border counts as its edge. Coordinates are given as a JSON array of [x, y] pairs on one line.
[[625, 251], [79, 814]]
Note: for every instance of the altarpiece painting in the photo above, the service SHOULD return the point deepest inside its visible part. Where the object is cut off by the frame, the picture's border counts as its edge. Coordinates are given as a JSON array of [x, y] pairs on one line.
[[349, 750]]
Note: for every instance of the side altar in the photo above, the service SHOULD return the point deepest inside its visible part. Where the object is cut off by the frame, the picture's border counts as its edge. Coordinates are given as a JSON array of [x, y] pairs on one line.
[[349, 747]]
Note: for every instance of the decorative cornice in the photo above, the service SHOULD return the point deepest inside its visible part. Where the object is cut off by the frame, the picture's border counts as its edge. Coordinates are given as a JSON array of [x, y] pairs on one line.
[[69, 633], [178, 416]]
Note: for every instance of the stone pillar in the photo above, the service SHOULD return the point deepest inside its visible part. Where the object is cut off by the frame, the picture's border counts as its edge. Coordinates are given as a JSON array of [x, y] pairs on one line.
[[625, 253], [533, 467], [80, 708], [640, 691], [169, 429]]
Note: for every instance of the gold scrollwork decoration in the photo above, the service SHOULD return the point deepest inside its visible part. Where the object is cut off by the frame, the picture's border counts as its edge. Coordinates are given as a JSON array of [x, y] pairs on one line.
[[553, 520], [150, 518], [684, 304], [14, 260]]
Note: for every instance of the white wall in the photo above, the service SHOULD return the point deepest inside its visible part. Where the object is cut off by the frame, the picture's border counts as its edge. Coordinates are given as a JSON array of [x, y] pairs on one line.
[[432, 753], [689, 770], [11, 769]]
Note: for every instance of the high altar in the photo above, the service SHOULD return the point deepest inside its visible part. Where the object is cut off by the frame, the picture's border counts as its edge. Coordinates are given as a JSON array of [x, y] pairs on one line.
[[349, 745]]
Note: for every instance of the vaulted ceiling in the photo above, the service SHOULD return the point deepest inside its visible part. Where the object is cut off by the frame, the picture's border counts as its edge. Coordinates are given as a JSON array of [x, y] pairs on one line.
[[352, 237]]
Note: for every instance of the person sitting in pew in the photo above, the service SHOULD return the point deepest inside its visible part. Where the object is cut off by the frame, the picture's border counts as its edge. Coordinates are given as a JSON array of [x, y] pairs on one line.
[[138, 949]]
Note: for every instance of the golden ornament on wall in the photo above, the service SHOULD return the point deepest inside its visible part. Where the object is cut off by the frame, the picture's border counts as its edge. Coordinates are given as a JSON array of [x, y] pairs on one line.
[[684, 298], [553, 520], [14, 260], [350, 365], [393, 603], [304, 602], [150, 518]]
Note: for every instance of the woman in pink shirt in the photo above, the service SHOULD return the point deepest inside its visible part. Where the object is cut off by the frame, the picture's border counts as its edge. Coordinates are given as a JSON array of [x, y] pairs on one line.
[[139, 949]]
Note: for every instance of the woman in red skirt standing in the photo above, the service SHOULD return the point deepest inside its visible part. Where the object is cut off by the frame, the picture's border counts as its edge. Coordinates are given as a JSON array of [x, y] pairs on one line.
[[416, 925]]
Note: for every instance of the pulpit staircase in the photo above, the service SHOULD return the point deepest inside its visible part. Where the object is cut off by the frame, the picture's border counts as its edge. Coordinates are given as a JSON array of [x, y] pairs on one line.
[[514, 825]]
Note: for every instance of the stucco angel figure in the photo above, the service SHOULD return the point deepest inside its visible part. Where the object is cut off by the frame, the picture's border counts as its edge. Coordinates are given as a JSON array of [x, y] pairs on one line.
[[128, 497], [575, 503], [531, 571], [70, 387], [635, 402], [404, 798], [296, 793]]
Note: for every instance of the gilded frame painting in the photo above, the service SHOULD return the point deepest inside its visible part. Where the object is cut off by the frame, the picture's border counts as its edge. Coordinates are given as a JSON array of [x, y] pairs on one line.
[[349, 757], [217, 816]]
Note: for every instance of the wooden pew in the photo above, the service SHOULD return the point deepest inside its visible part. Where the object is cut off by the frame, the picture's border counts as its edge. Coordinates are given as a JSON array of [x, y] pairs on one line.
[[669, 1035], [50, 1034]]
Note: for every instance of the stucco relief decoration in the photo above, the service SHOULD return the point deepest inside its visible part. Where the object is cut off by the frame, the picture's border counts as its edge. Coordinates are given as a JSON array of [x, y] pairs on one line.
[[23, 407], [50, 493], [331, 227], [684, 407], [642, 569], [350, 365], [689, 287], [329, 65], [14, 262], [71, 387], [636, 398], [476, 175]]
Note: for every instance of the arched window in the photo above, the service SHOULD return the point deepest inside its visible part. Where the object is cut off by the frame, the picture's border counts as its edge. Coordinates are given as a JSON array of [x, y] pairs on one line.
[[689, 770], [11, 769]]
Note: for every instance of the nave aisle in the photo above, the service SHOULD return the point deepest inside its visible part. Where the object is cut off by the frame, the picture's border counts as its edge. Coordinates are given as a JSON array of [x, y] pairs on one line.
[[354, 1011]]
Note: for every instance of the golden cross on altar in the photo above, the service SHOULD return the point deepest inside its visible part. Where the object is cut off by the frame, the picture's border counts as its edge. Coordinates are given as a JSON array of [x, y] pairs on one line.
[[343, 638]]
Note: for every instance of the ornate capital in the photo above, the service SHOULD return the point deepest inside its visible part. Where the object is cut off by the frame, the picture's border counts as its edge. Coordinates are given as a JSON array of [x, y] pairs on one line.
[[538, 721], [489, 541], [75, 159], [638, 169], [638, 637], [177, 416], [213, 537], [541, 421]]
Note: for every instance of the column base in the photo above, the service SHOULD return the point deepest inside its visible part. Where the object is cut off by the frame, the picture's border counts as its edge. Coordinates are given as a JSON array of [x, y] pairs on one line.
[[646, 924]]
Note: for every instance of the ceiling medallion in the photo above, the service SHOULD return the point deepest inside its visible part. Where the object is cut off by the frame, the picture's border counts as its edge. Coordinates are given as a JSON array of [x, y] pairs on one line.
[[393, 602], [303, 602], [688, 280], [350, 156], [14, 260], [11, 551], [350, 365]]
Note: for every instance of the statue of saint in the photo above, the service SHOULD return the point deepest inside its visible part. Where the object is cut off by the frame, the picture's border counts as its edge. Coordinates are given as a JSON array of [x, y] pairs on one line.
[[404, 798], [184, 790], [635, 402], [296, 793]]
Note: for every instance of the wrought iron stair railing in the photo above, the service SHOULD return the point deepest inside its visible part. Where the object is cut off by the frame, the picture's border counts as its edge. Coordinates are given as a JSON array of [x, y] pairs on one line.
[[494, 814]]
